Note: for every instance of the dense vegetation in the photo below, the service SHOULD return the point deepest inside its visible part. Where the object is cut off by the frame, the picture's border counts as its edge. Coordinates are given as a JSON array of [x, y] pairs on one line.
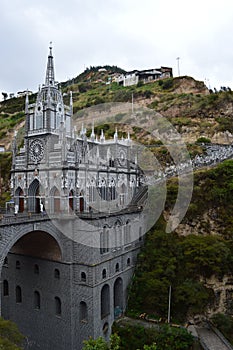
[[185, 262], [167, 259], [10, 337], [137, 337]]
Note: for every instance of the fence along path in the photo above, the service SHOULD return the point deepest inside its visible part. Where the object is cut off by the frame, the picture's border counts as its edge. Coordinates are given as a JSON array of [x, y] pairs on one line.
[[211, 340]]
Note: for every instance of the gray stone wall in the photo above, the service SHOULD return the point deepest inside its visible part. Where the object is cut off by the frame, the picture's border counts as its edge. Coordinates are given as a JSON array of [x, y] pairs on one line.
[[44, 329]]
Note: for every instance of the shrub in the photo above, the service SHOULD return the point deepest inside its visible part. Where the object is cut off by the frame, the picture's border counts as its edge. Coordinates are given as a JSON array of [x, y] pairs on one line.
[[203, 139]]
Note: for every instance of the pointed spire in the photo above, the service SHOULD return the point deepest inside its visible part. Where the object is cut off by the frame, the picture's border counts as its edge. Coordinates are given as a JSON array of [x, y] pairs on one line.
[[93, 132], [50, 78], [102, 137], [116, 135], [83, 131]]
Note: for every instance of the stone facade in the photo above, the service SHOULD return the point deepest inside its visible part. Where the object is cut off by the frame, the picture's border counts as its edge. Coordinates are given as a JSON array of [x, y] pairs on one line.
[[69, 250]]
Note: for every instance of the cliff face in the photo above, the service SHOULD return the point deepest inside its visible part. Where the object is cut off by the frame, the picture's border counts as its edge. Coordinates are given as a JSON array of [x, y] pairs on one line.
[[195, 112]]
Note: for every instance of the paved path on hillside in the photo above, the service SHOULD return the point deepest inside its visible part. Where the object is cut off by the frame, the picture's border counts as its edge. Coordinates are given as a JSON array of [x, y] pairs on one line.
[[210, 340]]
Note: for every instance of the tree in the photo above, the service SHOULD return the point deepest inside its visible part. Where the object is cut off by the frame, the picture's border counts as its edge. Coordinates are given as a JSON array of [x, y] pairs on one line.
[[95, 344], [10, 337], [5, 95], [101, 344], [150, 347]]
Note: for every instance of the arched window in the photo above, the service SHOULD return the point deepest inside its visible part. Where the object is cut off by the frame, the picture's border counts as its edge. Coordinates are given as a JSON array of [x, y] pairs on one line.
[[105, 301], [5, 263], [55, 196], [92, 191], [117, 267], [57, 274], [112, 190], [103, 190], [83, 312], [17, 265], [37, 300], [36, 269], [18, 294], [118, 235], [5, 288], [104, 240], [127, 233], [57, 306], [104, 273], [105, 328], [128, 262], [140, 233], [83, 277]]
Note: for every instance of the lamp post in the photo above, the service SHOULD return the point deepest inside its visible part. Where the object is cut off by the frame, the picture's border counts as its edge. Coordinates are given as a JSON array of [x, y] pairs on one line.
[[169, 304]]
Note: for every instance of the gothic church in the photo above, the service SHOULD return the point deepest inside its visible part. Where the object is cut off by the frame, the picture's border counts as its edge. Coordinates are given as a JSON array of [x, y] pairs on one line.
[[69, 249]]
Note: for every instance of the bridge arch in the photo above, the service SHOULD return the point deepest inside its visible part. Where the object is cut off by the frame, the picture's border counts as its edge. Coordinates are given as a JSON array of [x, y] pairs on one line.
[[43, 234], [38, 244]]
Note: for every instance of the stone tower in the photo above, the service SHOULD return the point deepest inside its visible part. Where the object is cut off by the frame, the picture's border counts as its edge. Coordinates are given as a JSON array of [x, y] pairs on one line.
[[69, 249]]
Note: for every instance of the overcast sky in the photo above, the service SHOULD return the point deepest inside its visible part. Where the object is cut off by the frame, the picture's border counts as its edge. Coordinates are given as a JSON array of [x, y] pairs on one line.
[[132, 34]]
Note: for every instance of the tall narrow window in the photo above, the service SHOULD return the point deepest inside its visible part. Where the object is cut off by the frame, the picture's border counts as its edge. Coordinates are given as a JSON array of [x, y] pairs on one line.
[[104, 273], [18, 294], [5, 264], [5, 288], [57, 274], [104, 241], [83, 277], [105, 301], [57, 306], [83, 311], [36, 300], [117, 268], [127, 233], [36, 269]]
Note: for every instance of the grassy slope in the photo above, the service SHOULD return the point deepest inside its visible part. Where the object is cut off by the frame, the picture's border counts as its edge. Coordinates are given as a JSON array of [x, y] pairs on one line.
[[212, 189]]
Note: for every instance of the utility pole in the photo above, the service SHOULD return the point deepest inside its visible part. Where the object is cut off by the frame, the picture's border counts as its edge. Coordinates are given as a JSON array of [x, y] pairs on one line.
[[169, 305], [178, 65], [132, 106]]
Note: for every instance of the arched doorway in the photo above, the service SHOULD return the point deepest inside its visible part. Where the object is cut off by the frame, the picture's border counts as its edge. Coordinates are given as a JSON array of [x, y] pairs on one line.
[[118, 297], [71, 200], [19, 199], [81, 202], [105, 301], [34, 196], [55, 200]]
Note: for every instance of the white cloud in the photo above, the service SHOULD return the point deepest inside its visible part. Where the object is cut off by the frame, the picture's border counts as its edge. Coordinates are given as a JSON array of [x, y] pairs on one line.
[[128, 33]]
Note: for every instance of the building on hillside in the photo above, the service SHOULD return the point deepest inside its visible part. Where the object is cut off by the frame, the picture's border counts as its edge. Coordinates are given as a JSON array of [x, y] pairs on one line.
[[70, 247], [146, 76], [24, 93]]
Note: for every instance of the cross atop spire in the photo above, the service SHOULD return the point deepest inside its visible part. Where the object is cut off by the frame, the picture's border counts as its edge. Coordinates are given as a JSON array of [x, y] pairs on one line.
[[50, 78]]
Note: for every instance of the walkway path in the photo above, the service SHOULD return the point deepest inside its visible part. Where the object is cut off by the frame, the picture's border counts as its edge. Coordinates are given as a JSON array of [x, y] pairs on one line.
[[210, 340]]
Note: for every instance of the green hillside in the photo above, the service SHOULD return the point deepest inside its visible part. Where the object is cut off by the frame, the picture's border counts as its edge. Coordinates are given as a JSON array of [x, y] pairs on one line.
[[197, 259]]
